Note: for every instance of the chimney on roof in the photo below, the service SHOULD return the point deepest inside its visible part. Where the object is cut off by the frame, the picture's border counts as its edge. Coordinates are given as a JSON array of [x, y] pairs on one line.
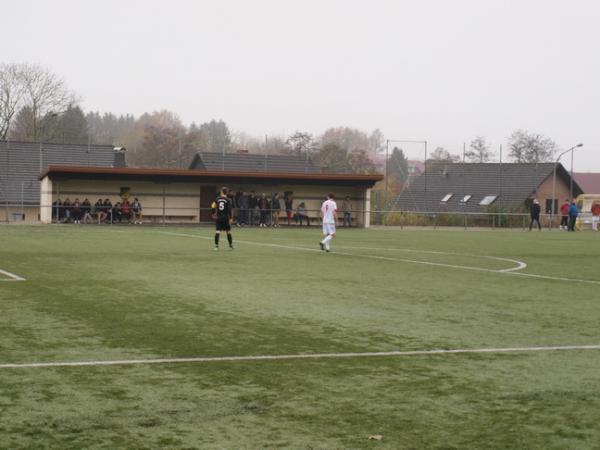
[[119, 160]]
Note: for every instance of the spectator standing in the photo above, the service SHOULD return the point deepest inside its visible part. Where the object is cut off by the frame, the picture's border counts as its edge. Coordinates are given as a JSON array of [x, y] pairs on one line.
[[263, 207], [329, 216], [535, 214], [242, 218], [76, 211], [107, 207], [275, 209], [66, 207], [347, 210], [564, 215], [236, 203], [573, 213], [595, 215], [252, 205], [136, 210], [288, 200]]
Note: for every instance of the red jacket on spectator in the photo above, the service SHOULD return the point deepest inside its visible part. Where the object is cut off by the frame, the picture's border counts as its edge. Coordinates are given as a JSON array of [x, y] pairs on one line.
[[564, 209]]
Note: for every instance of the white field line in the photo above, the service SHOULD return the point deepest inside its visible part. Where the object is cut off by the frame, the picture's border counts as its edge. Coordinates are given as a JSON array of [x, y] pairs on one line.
[[208, 359], [11, 276], [510, 271], [520, 265]]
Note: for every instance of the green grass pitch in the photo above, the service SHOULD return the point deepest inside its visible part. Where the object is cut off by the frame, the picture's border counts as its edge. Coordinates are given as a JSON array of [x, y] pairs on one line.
[[126, 293]]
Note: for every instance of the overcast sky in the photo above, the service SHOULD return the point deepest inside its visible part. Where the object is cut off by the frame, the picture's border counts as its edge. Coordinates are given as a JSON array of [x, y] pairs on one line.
[[436, 70]]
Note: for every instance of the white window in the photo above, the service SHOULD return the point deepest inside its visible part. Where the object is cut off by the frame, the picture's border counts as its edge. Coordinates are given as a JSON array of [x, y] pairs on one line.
[[446, 198], [466, 198], [488, 200]]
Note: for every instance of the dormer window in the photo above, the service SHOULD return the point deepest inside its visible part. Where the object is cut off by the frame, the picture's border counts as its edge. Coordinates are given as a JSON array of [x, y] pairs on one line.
[[446, 198]]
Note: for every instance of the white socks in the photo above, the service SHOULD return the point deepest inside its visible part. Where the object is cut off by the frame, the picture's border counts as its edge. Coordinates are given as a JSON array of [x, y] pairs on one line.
[[326, 241]]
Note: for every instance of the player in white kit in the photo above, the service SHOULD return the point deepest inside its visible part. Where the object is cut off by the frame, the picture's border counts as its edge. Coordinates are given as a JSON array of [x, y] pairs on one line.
[[329, 216]]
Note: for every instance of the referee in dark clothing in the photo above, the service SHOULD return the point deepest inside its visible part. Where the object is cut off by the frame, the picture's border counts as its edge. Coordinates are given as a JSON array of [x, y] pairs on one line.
[[222, 211]]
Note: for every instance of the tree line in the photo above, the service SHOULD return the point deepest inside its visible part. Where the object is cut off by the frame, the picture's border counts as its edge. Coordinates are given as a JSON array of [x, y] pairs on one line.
[[37, 105]]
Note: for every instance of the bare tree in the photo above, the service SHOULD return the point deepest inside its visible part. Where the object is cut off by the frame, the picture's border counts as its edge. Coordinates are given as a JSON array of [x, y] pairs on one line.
[[333, 158], [441, 154], [162, 142], [353, 139], [361, 162], [531, 147], [300, 144], [11, 95], [218, 134], [44, 93], [479, 150]]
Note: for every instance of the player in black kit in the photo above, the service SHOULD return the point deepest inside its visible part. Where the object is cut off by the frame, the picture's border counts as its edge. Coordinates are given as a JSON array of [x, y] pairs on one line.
[[223, 213]]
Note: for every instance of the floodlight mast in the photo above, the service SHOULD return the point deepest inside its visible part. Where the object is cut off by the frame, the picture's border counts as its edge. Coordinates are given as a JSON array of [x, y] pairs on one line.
[[572, 150]]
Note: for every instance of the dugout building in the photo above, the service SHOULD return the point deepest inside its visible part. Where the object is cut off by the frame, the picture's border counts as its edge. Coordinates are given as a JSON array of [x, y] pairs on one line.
[[184, 196]]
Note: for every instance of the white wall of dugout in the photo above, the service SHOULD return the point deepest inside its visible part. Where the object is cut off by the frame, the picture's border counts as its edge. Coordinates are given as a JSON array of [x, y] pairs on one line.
[[180, 201]]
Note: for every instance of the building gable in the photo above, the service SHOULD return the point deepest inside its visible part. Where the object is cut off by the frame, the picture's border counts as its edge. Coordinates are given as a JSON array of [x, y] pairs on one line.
[[473, 185]]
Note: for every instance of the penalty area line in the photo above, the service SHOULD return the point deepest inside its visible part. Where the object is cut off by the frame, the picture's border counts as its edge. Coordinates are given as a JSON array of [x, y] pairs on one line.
[[130, 362]]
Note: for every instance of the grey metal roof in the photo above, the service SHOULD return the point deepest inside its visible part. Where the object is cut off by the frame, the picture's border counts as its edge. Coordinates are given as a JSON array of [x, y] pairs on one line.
[[248, 162], [513, 183], [22, 162]]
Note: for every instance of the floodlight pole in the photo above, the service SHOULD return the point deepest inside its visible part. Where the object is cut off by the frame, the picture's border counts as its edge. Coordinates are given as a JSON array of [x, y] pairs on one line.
[[572, 150], [387, 148]]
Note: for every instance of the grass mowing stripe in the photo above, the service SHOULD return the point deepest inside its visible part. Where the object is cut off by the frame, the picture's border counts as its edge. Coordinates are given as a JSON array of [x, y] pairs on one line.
[[299, 356]]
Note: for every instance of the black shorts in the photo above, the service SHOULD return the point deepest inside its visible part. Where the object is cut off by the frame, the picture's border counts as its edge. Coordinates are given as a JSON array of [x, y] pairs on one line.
[[223, 225]]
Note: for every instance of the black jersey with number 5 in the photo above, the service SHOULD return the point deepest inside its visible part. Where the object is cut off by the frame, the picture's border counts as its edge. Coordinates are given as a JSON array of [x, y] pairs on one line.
[[221, 208]]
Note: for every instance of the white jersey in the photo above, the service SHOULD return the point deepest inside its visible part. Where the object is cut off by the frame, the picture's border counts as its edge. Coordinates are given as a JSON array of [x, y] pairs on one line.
[[328, 208]]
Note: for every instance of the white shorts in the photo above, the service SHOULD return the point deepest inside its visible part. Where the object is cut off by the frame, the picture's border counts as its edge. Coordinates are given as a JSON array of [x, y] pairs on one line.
[[328, 228]]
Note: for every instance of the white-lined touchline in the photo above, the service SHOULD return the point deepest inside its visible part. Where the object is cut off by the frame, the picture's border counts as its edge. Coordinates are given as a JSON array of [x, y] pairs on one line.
[[11, 276], [213, 359]]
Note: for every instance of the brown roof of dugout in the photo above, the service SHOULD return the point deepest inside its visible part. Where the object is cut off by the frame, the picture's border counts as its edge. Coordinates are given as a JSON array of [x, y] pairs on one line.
[[187, 175]]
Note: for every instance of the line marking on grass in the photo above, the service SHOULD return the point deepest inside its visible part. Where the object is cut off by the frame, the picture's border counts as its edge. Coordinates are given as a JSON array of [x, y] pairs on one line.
[[520, 264], [509, 271], [211, 359], [11, 276]]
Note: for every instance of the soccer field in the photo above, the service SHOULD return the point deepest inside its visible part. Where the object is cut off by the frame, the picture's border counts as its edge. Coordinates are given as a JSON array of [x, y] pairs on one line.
[[155, 312]]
